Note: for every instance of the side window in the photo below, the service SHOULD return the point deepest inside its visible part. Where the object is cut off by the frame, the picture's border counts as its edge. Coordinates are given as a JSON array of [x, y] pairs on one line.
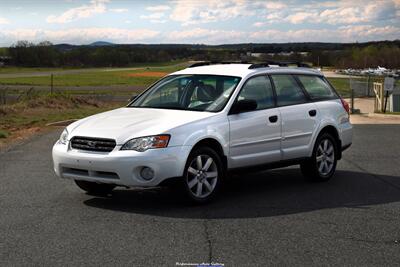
[[259, 89], [288, 91], [316, 87]]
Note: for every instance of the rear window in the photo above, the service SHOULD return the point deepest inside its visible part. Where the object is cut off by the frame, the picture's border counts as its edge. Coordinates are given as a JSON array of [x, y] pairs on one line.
[[288, 90], [316, 87]]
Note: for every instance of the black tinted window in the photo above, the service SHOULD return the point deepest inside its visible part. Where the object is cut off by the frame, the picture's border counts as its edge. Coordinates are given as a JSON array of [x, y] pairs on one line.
[[259, 89], [316, 87], [288, 91]]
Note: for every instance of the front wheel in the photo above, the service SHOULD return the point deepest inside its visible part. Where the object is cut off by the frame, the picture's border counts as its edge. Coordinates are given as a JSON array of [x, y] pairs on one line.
[[203, 175], [95, 188], [322, 164]]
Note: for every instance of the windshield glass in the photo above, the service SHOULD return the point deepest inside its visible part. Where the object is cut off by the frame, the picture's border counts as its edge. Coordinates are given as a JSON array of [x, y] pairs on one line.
[[189, 92]]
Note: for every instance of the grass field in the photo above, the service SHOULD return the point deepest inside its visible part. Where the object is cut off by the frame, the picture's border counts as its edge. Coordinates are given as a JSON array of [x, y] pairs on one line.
[[97, 77], [22, 119], [342, 85], [11, 69], [138, 77]]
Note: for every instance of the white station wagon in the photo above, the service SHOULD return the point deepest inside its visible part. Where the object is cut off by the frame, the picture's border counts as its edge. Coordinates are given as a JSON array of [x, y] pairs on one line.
[[196, 125]]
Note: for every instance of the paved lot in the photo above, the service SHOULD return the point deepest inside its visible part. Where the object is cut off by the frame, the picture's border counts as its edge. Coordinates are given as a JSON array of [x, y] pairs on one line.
[[268, 218]]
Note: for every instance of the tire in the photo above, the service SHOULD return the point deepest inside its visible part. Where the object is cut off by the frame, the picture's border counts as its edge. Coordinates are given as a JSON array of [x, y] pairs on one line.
[[94, 188], [203, 175], [322, 164]]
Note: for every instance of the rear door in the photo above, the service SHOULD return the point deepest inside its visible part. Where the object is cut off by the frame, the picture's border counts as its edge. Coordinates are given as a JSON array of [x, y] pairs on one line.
[[255, 136], [299, 116]]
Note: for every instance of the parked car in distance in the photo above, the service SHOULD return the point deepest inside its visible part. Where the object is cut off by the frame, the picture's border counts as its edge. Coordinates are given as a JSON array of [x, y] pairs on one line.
[[198, 124]]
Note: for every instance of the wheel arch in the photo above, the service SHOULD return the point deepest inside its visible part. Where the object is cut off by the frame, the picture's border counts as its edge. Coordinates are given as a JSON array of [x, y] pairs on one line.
[[215, 145], [335, 133]]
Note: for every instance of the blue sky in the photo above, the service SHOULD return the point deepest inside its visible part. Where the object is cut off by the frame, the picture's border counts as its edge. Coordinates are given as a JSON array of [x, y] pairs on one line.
[[198, 21]]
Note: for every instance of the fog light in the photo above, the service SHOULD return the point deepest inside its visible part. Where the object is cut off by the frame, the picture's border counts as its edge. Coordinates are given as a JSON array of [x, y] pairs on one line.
[[147, 173]]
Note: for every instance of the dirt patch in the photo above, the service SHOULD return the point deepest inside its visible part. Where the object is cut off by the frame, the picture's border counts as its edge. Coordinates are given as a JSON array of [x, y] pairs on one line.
[[148, 74], [18, 136]]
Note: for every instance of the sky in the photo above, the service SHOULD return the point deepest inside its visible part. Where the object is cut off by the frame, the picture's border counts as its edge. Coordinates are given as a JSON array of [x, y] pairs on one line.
[[198, 21]]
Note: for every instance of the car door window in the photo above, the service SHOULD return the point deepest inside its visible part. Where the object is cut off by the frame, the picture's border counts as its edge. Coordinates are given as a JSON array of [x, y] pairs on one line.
[[288, 91], [258, 89], [316, 87]]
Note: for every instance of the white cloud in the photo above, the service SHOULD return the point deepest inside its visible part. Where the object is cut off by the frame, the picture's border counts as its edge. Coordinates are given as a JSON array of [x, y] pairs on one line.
[[85, 11], [159, 8], [194, 12], [156, 15], [342, 34], [301, 17], [334, 12], [274, 5], [119, 10], [4, 21], [259, 24], [158, 21], [80, 35], [200, 35], [345, 12]]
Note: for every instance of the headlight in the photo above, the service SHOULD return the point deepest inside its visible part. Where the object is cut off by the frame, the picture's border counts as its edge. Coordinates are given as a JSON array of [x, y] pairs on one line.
[[148, 142], [64, 137]]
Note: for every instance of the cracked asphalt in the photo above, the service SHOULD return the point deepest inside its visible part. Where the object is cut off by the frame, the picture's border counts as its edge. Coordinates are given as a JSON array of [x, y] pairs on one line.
[[269, 218]]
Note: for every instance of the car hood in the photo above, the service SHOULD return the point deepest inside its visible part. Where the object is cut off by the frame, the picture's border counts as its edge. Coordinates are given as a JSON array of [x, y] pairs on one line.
[[126, 123]]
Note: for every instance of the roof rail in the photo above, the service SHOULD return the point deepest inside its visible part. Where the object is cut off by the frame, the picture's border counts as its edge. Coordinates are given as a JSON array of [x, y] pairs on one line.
[[279, 63], [206, 63]]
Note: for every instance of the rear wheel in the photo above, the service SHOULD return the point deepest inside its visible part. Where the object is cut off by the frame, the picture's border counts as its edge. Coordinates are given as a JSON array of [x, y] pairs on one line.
[[95, 188], [322, 164], [203, 175]]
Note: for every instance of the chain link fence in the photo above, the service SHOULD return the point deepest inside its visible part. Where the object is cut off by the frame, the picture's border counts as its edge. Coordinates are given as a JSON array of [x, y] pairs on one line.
[[360, 87]]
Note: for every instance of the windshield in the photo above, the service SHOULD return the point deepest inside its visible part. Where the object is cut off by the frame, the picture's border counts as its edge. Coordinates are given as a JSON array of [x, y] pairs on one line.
[[189, 92]]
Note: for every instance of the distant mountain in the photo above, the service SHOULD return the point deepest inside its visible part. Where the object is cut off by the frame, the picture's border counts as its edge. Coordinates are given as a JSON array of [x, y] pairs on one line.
[[101, 43]]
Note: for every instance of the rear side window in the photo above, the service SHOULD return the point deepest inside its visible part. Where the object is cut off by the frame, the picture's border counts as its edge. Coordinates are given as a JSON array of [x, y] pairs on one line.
[[316, 87], [259, 89], [288, 91]]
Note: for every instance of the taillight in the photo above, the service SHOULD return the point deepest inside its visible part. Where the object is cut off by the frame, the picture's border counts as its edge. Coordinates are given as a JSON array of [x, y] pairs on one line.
[[345, 105]]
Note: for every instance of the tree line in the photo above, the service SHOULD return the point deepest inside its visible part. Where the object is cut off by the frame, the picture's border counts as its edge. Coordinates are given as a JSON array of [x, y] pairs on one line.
[[45, 54]]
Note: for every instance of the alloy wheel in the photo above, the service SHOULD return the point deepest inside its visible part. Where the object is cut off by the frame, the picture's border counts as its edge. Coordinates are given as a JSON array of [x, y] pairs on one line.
[[202, 176], [325, 157]]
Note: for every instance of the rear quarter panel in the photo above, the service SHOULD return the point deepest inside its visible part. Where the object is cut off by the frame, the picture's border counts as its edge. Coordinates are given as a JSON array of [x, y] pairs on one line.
[[333, 114]]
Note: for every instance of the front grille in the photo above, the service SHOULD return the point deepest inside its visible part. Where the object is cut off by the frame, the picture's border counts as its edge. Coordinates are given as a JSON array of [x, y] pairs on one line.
[[93, 144]]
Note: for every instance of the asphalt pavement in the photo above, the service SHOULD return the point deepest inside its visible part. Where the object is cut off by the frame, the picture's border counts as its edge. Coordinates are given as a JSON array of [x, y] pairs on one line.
[[269, 218]]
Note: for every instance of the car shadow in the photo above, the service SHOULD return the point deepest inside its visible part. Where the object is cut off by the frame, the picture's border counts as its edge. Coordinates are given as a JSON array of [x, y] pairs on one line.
[[270, 193]]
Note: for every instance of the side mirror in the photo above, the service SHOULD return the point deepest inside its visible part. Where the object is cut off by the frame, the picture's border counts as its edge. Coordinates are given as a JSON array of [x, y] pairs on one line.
[[244, 105], [133, 98]]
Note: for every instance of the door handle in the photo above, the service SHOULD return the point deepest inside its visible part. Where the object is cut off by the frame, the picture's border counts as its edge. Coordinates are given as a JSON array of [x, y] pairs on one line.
[[312, 112], [273, 118]]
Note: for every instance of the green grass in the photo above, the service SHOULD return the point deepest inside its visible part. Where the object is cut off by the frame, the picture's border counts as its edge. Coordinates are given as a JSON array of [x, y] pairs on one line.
[[35, 112], [95, 78], [44, 116], [3, 134], [342, 85], [4, 70], [12, 69]]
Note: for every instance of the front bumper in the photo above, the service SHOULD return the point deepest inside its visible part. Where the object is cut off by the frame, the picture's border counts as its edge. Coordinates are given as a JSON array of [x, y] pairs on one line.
[[119, 167]]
